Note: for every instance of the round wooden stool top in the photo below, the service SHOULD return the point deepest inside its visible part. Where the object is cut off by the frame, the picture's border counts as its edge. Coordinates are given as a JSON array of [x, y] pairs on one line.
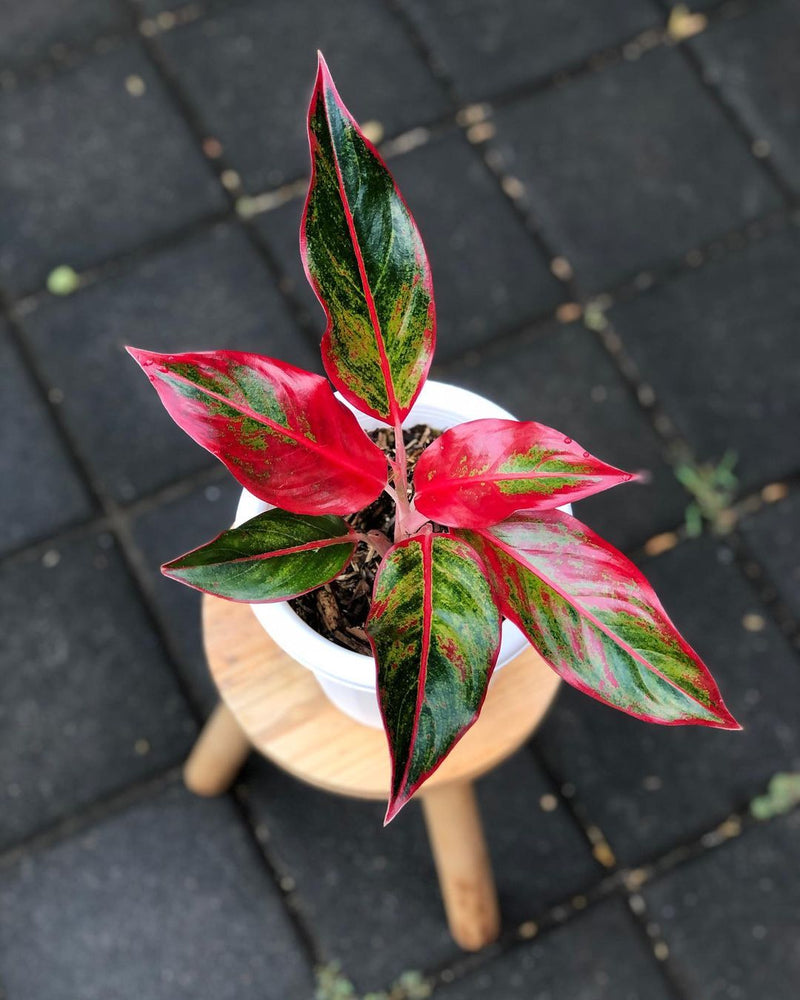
[[287, 717]]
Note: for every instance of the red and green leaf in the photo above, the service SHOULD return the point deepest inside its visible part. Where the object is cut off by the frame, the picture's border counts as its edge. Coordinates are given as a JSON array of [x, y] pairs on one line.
[[596, 620], [435, 631], [480, 472], [272, 557], [365, 260], [278, 429]]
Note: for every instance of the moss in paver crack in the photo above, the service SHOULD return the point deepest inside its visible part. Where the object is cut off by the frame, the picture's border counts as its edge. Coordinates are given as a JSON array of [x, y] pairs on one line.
[[63, 280], [333, 985], [782, 796]]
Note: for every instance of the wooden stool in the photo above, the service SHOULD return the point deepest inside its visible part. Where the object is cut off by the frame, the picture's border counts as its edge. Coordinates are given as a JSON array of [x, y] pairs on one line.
[[272, 704]]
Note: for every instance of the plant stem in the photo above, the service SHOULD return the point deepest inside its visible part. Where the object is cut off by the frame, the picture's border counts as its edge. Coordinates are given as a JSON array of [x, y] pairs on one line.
[[376, 539], [391, 492], [401, 483]]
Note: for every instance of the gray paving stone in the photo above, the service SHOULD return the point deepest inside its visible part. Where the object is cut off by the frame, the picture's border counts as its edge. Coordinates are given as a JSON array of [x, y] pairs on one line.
[[250, 70], [731, 918], [631, 166], [165, 532], [719, 347], [279, 230], [90, 171], [561, 376], [212, 291], [597, 956], [693, 5], [652, 787], [167, 900], [31, 29], [88, 702], [774, 537], [753, 61], [343, 861], [42, 493], [151, 8], [488, 276], [490, 46]]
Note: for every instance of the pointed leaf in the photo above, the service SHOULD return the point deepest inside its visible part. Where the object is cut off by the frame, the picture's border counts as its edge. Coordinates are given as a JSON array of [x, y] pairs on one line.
[[365, 260], [272, 557], [480, 472], [278, 429], [596, 620], [436, 635]]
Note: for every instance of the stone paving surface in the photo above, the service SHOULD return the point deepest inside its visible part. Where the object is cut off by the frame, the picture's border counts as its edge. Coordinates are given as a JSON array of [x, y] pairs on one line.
[[611, 210], [79, 179]]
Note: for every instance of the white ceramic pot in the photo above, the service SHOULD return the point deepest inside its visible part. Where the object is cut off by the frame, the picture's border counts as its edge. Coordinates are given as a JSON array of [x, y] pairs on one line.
[[348, 678]]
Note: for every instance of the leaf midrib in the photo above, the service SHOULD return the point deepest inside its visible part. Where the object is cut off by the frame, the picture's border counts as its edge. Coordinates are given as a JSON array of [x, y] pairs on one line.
[[426, 550], [383, 357], [278, 553]]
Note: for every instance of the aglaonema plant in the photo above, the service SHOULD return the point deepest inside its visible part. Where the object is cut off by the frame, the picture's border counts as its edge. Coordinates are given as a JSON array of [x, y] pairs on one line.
[[476, 539]]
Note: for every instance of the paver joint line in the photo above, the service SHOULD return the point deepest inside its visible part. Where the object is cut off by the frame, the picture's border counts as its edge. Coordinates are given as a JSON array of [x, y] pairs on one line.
[[766, 163]]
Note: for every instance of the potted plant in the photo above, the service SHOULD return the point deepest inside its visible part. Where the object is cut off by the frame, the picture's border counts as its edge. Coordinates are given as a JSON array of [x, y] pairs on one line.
[[476, 537]]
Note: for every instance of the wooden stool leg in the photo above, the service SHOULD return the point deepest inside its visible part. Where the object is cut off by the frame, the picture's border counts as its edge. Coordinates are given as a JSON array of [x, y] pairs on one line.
[[462, 862], [218, 754]]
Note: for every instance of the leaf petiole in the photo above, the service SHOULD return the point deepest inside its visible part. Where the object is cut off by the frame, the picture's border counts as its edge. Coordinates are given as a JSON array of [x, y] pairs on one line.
[[400, 465], [376, 539], [390, 491]]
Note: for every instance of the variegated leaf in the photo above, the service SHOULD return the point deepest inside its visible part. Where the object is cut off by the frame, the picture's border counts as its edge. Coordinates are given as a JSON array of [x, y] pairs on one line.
[[436, 634], [365, 260], [480, 472], [272, 557], [596, 620], [279, 429]]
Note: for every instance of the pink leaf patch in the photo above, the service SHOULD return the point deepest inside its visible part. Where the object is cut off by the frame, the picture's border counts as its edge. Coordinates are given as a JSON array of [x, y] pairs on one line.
[[278, 429], [480, 472]]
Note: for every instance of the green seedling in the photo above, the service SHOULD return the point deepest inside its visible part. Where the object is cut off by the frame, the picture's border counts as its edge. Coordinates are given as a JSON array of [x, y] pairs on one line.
[[714, 489]]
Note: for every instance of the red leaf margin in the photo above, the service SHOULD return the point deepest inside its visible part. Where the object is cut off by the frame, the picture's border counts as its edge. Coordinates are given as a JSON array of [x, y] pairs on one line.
[[397, 414], [725, 719]]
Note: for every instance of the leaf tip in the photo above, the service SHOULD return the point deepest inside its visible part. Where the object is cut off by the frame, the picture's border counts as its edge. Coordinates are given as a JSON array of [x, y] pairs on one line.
[[396, 803], [169, 569], [723, 719], [145, 359], [727, 721], [136, 353], [323, 73]]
